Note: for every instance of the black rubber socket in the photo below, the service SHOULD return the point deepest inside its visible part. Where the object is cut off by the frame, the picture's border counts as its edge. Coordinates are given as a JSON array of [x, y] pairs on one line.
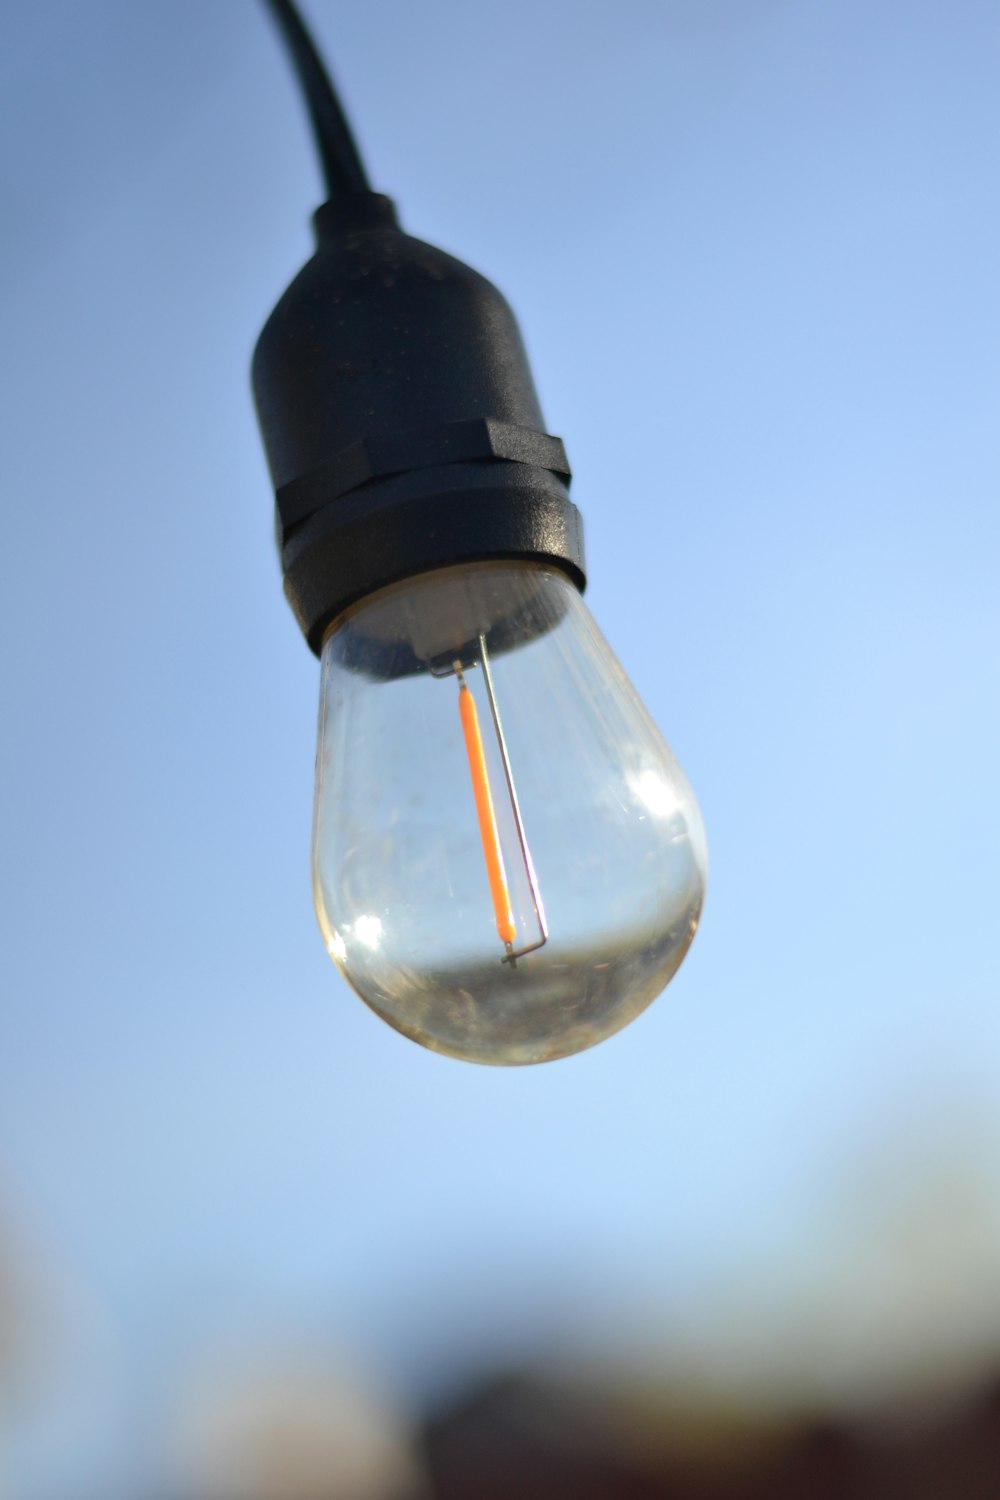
[[400, 420]]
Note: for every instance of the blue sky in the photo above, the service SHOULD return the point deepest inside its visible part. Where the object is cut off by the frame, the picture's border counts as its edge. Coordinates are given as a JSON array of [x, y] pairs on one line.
[[753, 249]]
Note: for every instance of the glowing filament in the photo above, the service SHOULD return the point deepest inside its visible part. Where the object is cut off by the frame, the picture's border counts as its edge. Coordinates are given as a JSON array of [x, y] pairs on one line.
[[488, 831]]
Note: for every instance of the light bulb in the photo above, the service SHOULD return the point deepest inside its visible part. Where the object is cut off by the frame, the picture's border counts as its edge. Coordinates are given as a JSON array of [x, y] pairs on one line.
[[508, 862]]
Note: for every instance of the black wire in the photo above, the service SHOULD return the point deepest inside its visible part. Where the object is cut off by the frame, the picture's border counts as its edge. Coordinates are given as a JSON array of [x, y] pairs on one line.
[[342, 165]]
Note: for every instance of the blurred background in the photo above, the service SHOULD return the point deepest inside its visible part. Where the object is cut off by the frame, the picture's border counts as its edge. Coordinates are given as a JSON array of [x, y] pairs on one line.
[[252, 1242]]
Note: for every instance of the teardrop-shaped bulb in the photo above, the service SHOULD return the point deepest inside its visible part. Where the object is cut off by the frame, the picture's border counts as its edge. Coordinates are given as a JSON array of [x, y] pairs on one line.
[[508, 862]]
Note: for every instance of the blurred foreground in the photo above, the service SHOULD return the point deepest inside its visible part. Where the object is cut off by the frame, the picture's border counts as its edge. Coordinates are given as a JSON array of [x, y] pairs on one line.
[[534, 1440], [856, 1357], [521, 1439]]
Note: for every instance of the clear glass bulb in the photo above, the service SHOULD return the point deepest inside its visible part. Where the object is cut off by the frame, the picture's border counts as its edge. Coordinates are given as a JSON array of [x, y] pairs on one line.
[[508, 862]]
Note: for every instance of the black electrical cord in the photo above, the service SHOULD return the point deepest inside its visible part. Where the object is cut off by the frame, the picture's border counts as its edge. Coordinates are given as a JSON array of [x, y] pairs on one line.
[[342, 166]]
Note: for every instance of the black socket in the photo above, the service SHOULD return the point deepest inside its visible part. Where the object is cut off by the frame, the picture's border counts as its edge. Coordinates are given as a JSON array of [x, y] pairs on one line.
[[400, 420]]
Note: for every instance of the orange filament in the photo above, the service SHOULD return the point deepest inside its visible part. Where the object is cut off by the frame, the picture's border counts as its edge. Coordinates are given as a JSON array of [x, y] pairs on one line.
[[487, 817]]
